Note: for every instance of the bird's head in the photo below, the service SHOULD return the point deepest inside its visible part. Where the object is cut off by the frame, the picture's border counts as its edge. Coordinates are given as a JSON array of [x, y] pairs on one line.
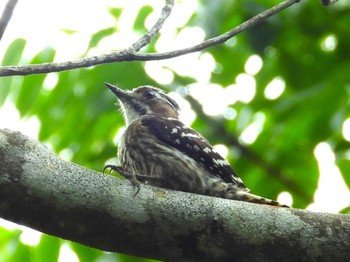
[[145, 100]]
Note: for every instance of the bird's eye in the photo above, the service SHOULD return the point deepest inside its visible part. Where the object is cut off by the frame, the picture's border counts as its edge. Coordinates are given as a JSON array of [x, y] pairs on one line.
[[149, 95]]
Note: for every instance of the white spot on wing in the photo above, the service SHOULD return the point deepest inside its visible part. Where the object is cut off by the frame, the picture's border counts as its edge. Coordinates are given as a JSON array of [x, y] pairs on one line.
[[196, 148], [177, 141], [220, 162], [172, 119], [207, 150], [189, 135], [174, 131], [237, 179]]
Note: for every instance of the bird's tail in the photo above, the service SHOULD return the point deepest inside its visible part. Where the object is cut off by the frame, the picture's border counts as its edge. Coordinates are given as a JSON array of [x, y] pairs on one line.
[[248, 197]]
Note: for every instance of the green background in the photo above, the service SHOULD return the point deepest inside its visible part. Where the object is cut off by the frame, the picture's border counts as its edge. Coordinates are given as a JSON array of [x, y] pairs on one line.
[[78, 113]]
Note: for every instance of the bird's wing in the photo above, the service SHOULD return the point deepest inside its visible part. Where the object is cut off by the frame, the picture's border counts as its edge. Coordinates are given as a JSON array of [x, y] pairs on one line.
[[175, 134]]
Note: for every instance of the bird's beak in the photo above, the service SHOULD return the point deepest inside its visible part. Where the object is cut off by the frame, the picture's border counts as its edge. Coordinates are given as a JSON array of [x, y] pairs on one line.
[[120, 93]]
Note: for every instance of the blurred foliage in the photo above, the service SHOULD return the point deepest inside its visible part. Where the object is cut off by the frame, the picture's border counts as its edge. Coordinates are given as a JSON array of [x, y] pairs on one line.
[[77, 113]]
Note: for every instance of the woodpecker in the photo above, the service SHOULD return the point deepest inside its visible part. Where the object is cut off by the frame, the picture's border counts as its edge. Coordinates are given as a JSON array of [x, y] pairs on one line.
[[157, 148]]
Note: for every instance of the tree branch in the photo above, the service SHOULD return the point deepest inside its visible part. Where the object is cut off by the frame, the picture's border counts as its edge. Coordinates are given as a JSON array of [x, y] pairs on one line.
[[130, 54], [147, 38], [6, 16], [41, 191]]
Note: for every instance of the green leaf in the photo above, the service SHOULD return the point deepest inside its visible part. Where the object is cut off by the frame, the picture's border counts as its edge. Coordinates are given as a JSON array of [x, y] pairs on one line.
[[48, 249], [344, 166], [84, 253], [14, 52], [97, 37], [345, 211], [12, 57], [69, 31], [139, 24], [116, 12], [32, 85], [23, 252]]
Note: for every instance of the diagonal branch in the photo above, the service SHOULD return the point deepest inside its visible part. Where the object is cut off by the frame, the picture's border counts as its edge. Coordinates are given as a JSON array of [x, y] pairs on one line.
[[39, 190], [147, 38], [6, 16], [129, 54]]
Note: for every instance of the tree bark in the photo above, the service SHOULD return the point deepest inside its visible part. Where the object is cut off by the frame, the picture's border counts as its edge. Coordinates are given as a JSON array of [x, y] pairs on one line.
[[41, 191]]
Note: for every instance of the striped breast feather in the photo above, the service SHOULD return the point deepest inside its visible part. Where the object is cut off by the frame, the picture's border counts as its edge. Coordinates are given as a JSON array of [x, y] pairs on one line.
[[175, 134]]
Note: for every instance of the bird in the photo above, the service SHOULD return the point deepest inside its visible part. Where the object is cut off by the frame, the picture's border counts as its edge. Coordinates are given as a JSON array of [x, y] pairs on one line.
[[157, 148]]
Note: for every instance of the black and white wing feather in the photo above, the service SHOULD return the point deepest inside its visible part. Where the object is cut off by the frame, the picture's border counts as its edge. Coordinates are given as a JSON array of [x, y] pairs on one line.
[[175, 134]]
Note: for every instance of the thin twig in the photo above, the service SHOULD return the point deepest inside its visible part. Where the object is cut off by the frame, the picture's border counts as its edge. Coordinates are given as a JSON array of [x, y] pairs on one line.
[[6, 16], [130, 55], [225, 36], [147, 38]]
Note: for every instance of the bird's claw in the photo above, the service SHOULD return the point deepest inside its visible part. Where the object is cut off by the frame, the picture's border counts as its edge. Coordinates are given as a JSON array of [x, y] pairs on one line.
[[128, 176]]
